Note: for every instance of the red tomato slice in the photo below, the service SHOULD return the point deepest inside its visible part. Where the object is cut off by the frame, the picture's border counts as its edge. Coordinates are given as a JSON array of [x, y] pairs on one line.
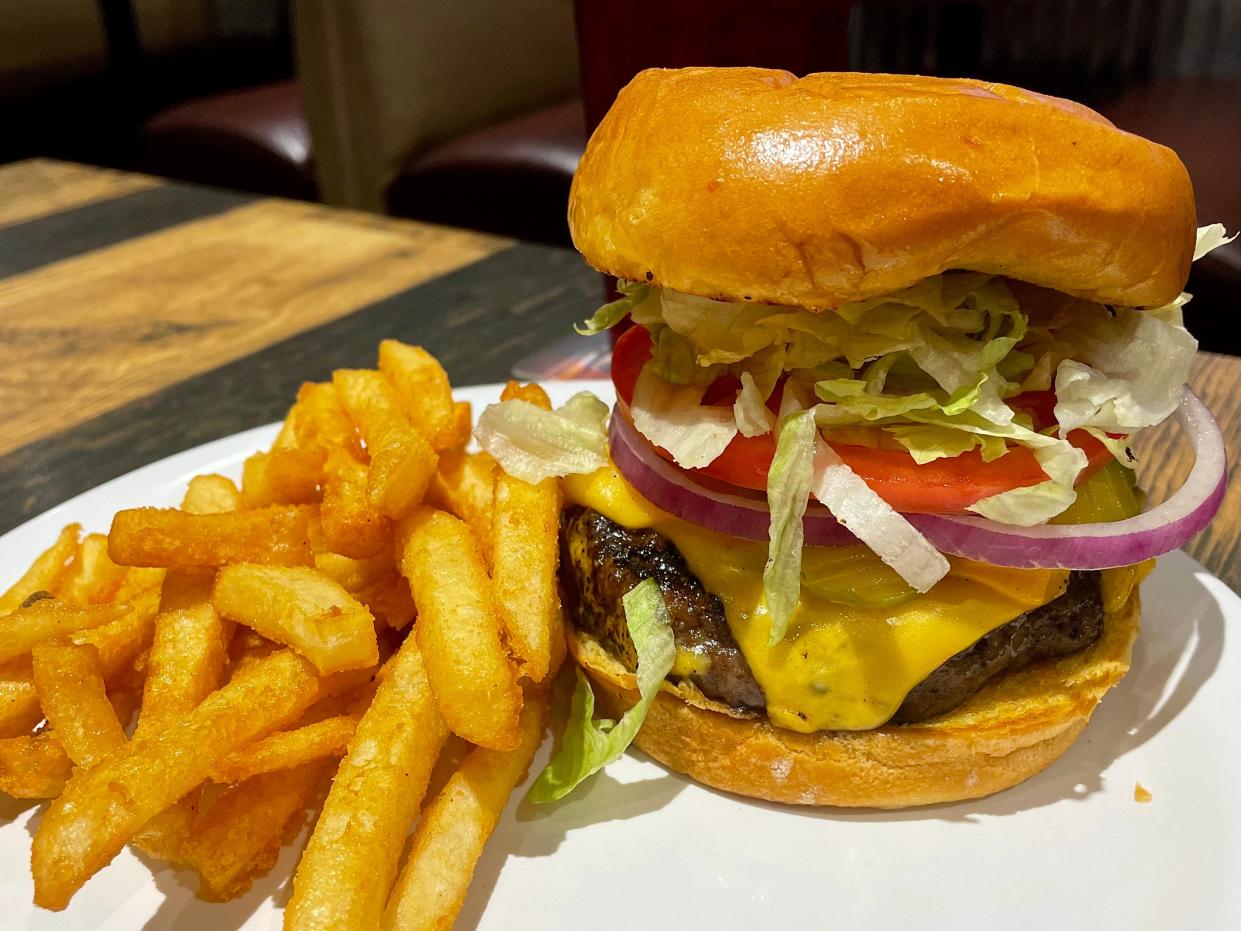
[[945, 486]]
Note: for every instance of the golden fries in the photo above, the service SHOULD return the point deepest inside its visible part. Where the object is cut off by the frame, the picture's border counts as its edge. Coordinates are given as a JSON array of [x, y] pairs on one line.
[[454, 829], [48, 618], [176, 540], [422, 386], [458, 630], [351, 860], [525, 553], [69, 680], [318, 421], [464, 485], [92, 578], [103, 807], [249, 625], [44, 571], [239, 837], [283, 476], [287, 749], [301, 609], [402, 461], [210, 494], [352, 526]]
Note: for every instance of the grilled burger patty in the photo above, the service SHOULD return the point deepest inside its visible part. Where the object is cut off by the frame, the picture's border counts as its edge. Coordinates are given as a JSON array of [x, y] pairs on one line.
[[601, 561]]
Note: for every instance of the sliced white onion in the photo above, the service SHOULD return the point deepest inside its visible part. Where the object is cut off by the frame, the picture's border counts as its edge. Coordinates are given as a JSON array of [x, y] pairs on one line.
[[1101, 546], [875, 522]]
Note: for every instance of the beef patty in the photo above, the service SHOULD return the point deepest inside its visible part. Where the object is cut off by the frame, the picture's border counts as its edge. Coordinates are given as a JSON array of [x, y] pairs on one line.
[[601, 561]]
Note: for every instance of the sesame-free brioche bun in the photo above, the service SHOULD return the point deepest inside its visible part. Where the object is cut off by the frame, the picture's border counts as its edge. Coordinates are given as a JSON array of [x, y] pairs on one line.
[[752, 184], [1010, 730]]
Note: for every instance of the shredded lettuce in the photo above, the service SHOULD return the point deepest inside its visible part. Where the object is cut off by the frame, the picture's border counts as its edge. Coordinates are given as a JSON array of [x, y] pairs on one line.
[[750, 409], [588, 745], [613, 313], [1211, 238], [671, 417], [1126, 373], [532, 444], [788, 490]]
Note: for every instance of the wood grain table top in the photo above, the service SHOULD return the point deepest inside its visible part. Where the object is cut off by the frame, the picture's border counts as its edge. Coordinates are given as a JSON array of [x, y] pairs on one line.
[[140, 317]]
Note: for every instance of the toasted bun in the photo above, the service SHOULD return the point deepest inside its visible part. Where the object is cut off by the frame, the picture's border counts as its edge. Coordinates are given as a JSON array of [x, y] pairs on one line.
[[1005, 734], [750, 184]]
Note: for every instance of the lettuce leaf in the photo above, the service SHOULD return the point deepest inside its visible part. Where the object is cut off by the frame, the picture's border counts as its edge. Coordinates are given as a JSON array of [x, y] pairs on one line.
[[1210, 238], [532, 444], [788, 491], [1126, 374], [613, 313], [588, 745], [750, 409], [671, 417]]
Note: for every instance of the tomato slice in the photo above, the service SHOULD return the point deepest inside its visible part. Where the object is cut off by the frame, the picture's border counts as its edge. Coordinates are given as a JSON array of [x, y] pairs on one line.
[[945, 486]]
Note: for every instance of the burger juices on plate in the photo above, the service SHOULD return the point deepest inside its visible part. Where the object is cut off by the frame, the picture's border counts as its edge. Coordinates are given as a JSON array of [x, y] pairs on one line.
[[892, 338]]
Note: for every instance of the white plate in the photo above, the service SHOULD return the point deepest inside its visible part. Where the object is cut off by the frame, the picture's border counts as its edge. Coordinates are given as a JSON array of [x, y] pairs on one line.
[[640, 848]]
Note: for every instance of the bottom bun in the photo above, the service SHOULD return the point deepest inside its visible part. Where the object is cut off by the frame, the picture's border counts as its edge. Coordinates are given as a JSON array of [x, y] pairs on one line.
[[1003, 735]]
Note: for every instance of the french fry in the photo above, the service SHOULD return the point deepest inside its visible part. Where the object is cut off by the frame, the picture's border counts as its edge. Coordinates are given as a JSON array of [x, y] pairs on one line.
[[120, 642], [422, 386], [185, 665], [462, 428], [525, 552], [48, 618], [287, 749], [389, 600], [353, 575], [350, 862], [188, 651], [458, 630], [210, 494], [138, 581], [319, 421], [455, 827], [239, 837], [464, 485], [531, 393], [44, 571], [19, 703], [402, 461], [176, 540], [302, 609], [69, 680], [34, 765], [283, 476], [92, 578], [352, 526], [102, 808]]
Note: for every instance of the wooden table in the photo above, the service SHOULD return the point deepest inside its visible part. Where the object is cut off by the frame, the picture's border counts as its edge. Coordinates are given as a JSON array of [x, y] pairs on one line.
[[140, 317]]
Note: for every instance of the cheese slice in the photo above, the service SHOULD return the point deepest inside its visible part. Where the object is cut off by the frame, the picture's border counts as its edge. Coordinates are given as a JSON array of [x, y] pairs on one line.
[[840, 667]]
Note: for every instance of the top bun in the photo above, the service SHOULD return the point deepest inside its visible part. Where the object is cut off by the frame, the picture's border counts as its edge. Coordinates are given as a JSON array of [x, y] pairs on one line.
[[752, 184]]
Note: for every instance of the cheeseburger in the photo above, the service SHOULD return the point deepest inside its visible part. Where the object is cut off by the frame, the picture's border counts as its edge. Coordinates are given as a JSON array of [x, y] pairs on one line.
[[863, 528]]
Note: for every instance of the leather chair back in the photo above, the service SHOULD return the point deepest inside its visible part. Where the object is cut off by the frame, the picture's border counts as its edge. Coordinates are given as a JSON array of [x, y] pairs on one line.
[[384, 79]]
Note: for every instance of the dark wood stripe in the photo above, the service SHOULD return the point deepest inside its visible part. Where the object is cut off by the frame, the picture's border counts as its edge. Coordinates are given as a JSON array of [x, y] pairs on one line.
[[479, 321], [41, 241]]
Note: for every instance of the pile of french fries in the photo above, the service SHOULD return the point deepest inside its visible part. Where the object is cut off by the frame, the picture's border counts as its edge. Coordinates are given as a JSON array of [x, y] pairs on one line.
[[373, 601]]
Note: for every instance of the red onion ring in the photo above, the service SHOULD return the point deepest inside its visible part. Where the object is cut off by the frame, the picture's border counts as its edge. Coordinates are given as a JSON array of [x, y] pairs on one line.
[[673, 491], [1101, 546], [1049, 546]]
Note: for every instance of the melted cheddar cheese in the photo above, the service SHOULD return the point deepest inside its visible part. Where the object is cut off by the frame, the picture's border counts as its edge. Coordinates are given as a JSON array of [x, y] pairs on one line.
[[839, 667]]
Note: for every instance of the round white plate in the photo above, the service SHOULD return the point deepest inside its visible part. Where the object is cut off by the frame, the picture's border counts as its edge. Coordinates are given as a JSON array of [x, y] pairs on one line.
[[638, 847]]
